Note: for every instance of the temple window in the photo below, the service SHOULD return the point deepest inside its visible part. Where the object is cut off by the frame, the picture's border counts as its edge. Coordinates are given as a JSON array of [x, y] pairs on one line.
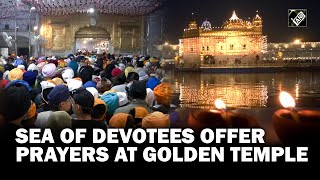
[[244, 46]]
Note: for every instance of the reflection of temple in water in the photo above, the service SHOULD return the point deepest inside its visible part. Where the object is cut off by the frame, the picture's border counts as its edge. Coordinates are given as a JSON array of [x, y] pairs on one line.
[[233, 96], [198, 90], [201, 91]]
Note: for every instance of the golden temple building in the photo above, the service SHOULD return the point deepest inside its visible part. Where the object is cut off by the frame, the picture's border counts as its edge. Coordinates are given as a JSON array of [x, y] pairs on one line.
[[237, 41]]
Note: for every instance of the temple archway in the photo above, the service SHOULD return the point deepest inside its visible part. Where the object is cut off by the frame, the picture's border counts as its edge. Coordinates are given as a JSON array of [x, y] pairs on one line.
[[96, 39]]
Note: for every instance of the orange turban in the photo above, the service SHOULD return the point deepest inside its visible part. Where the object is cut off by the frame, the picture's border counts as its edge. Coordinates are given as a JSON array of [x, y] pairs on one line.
[[62, 64], [138, 113], [99, 115], [156, 120], [163, 93], [121, 120], [15, 74]]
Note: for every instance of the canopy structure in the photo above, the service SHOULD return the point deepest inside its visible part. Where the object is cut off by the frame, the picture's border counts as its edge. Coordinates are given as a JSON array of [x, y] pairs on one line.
[[65, 7]]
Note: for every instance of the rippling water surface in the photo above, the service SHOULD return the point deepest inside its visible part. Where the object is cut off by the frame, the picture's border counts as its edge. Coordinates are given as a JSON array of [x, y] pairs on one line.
[[196, 90]]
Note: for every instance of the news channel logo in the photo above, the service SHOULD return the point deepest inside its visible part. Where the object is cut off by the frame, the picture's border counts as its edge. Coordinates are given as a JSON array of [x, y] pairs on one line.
[[297, 17]]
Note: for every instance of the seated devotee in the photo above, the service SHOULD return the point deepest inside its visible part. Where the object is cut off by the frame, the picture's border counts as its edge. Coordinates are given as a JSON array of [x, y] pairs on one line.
[[137, 92], [163, 97], [85, 73], [153, 82], [112, 100], [139, 66], [107, 73], [59, 100], [99, 110], [132, 76], [119, 84], [143, 76], [156, 120], [121, 120], [104, 85], [82, 106], [179, 118], [138, 113]]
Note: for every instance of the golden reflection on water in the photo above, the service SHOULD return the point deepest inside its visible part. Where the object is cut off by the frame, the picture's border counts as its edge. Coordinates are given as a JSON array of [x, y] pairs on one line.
[[233, 96], [198, 90]]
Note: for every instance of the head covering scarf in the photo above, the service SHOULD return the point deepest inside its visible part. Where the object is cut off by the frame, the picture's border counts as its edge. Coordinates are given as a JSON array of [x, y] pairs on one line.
[[156, 120], [163, 93], [121, 120]]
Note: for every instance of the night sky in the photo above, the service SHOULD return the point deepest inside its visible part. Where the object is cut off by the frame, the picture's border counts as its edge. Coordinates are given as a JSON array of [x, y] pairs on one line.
[[273, 12]]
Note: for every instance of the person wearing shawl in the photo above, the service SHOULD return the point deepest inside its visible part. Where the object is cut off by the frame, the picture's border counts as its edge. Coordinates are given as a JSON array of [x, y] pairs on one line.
[[137, 92]]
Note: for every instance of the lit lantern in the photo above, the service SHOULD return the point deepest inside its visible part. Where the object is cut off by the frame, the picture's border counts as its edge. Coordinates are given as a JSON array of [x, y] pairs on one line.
[[296, 127]]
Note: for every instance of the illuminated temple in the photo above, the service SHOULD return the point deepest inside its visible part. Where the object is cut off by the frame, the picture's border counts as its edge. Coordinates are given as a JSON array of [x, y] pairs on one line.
[[237, 41]]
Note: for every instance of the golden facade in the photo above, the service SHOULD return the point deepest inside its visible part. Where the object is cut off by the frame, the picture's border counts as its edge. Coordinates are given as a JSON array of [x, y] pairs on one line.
[[236, 39], [124, 33]]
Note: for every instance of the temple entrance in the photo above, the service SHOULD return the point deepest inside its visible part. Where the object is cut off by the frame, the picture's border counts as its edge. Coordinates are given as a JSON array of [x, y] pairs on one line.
[[93, 40]]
